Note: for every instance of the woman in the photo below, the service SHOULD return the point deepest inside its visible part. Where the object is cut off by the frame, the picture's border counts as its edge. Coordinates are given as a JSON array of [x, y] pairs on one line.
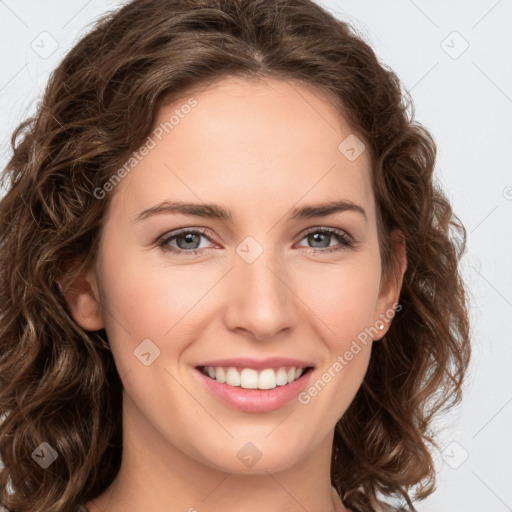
[[171, 336]]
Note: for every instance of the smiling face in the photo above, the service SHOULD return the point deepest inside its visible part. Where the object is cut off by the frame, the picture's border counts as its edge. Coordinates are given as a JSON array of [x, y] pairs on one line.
[[267, 279]]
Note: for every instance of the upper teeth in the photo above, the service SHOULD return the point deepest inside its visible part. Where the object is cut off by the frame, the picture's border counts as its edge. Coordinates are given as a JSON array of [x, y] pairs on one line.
[[249, 378]]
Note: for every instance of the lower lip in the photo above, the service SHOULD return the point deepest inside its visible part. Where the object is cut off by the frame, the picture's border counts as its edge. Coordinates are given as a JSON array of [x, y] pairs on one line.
[[256, 400]]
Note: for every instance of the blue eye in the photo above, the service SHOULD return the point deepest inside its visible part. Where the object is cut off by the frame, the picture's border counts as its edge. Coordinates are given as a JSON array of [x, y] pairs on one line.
[[190, 237], [187, 239], [346, 241]]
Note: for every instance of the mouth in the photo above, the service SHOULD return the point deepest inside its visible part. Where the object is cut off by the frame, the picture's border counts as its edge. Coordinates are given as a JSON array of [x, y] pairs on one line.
[[251, 378]]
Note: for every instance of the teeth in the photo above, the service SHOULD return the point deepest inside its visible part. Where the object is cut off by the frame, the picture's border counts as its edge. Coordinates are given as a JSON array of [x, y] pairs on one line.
[[220, 374], [281, 377], [232, 376], [267, 379], [249, 378]]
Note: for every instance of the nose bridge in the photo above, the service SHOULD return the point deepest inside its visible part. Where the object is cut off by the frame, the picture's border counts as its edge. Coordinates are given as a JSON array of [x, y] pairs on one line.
[[261, 301], [259, 266]]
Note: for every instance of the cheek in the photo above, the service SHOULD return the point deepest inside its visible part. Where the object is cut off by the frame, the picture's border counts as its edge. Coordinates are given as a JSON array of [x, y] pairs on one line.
[[342, 295], [150, 310], [345, 307], [150, 300]]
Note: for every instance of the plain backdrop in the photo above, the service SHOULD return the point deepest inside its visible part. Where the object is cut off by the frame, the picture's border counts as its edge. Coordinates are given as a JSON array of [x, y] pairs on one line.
[[456, 60]]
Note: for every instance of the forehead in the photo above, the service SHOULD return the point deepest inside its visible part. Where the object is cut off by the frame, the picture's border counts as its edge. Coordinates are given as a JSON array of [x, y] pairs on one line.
[[239, 141]]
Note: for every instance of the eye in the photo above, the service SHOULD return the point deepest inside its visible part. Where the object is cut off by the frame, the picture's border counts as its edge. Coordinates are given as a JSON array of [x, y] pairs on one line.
[[326, 235], [188, 240]]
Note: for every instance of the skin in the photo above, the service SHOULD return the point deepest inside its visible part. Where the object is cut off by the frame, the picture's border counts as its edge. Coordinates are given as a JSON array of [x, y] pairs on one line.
[[259, 149]]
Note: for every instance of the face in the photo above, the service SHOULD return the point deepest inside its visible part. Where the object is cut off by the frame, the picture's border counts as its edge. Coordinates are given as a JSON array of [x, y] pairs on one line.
[[273, 283]]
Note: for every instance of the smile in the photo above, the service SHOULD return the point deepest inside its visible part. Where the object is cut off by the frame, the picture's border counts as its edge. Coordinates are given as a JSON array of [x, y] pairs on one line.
[[250, 378], [254, 390]]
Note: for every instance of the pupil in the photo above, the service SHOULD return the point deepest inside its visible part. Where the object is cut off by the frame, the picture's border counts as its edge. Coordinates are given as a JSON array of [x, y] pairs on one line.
[[321, 236], [188, 240]]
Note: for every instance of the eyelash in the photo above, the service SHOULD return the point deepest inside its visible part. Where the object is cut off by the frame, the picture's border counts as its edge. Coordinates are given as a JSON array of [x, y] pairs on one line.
[[346, 241]]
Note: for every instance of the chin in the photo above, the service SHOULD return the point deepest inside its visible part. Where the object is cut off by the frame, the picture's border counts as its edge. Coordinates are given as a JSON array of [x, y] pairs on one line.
[[248, 458]]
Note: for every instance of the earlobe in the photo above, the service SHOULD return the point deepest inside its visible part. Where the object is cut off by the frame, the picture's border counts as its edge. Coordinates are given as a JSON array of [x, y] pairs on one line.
[[83, 300], [391, 285]]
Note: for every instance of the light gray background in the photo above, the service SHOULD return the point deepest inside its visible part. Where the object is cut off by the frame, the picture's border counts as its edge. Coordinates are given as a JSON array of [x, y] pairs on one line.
[[465, 99]]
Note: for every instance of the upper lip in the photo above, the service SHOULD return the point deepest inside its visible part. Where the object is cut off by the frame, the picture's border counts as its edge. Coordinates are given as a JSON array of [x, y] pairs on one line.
[[258, 364]]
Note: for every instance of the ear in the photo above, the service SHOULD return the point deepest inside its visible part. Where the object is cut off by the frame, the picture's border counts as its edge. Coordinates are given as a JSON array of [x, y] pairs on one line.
[[83, 299], [391, 285]]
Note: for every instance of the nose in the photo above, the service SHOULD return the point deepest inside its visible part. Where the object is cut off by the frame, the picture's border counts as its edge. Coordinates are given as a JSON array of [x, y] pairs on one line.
[[262, 301]]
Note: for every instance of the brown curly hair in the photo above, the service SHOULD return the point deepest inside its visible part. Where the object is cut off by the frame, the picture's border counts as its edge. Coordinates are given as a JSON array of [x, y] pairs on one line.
[[59, 382]]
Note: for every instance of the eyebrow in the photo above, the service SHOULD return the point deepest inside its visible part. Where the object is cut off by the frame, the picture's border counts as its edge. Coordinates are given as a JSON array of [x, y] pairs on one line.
[[214, 211]]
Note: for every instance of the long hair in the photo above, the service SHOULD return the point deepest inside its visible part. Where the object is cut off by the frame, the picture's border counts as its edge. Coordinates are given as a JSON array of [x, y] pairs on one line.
[[59, 383]]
